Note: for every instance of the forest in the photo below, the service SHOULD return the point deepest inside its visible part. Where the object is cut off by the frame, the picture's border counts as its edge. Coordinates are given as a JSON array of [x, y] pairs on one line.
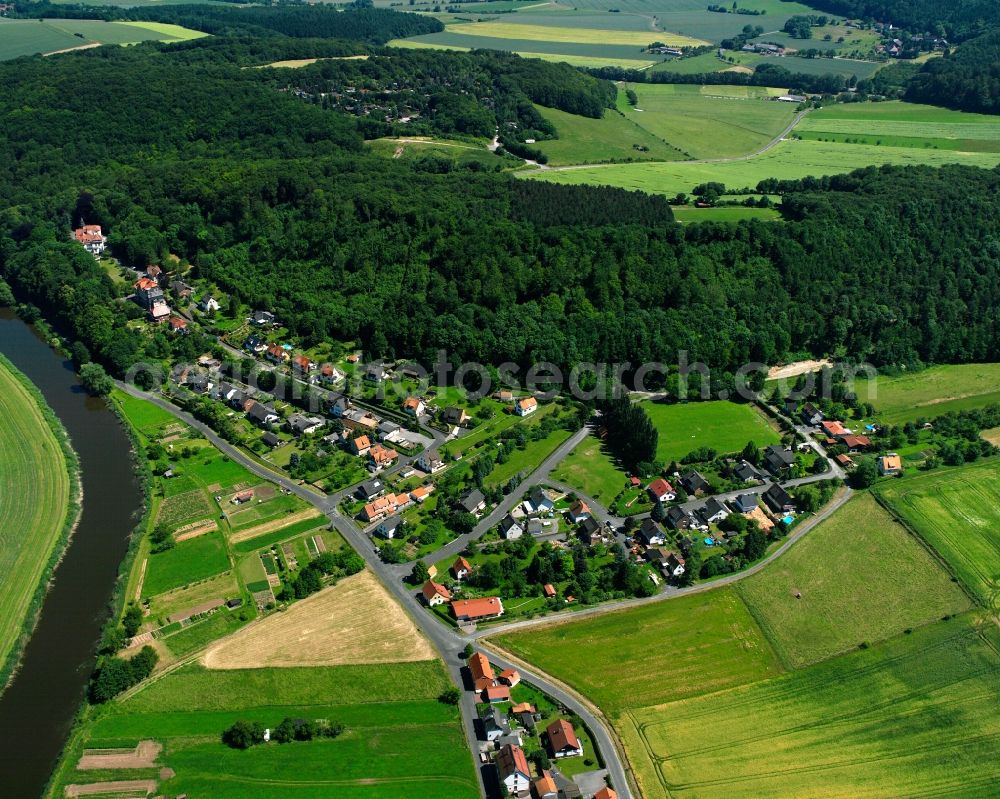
[[967, 79], [954, 19], [275, 200]]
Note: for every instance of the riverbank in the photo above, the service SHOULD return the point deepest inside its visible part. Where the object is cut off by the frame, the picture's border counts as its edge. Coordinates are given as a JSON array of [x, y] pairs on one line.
[[40, 466]]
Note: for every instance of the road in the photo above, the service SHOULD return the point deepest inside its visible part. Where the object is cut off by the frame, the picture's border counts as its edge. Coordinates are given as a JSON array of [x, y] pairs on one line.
[[451, 642]]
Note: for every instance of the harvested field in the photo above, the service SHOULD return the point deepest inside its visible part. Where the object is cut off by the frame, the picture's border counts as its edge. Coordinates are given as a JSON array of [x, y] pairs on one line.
[[353, 622], [275, 524], [143, 755], [118, 787]]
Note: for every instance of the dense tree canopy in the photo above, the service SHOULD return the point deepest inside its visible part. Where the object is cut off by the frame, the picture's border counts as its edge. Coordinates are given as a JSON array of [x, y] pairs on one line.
[[968, 79]]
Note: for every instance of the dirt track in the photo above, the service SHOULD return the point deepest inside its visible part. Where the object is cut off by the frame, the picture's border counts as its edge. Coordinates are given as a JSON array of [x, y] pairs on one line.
[[355, 621]]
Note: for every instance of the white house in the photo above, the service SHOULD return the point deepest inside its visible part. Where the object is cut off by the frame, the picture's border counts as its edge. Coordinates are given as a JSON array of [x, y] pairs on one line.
[[511, 528], [430, 461], [512, 767], [526, 406], [208, 304]]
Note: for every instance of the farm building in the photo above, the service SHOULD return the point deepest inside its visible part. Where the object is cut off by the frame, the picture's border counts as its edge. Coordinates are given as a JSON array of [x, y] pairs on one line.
[[481, 671], [890, 465], [496, 693], [477, 609]]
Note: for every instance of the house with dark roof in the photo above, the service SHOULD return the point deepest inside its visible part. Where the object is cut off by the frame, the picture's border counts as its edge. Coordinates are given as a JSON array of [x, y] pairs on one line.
[[590, 529], [747, 472], [494, 723], [678, 519], [511, 528], [370, 489], [472, 501], [778, 500], [388, 528], [271, 439], [714, 511], [778, 460], [540, 501], [694, 482], [262, 414], [301, 425], [261, 318], [811, 415], [745, 503], [650, 533]]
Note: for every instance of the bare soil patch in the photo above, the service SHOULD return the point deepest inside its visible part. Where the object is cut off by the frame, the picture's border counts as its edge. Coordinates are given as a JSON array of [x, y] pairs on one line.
[[195, 529], [275, 524], [131, 787], [993, 436], [353, 622], [797, 368], [142, 756]]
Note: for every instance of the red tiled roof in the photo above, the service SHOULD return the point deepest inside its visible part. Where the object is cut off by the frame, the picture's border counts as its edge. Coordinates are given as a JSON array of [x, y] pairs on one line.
[[606, 793], [511, 759], [477, 608], [461, 564], [499, 693], [177, 323], [562, 735], [544, 784], [432, 589], [659, 487]]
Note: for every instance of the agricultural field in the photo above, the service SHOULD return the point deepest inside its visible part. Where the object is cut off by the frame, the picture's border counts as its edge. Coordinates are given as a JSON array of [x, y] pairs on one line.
[[592, 470], [915, 716], [883, 583], [399, 741], [931, 392], [788, 160], [723, 426], [185, 563], [614, 137], [27, 37], [35, 493], [957, 512], [686, 215], [662, 651], [352, 622], [626, 62]]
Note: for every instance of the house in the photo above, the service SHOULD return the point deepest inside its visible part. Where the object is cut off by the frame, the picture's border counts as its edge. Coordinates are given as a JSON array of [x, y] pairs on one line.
[[496, 693], [328, 373], [254, 343], [747, 472], [92, 238], [579, 511], [562, 739], [387, 528], [380, 457], [454, 416], [358, 419], [272, 440], [338, 405], [430, 461], [302, 364], [181, 290], [778, 500], [503, 396], [301, 425], [414, 406], [435, 593], [377, 509], [402, 501], [476, 609], [209, 304], [745, 503], [461, 568], [778, 459], [262, 318], [512, 768], [661, 491], [481, 671], [276, 354], [494, 724], [606, 793], [844, 461], [650, 533], [526, 406], [353, 358], [811, 415], [791, 98], [510, 528], [590, 529], [178, 325], [549, 590], [420, 493], [678, 519], [656, 556], [857, 443], [370, 489], [540, 501], [694, 483], [388, 431], [147, 292], [361, 446], [714, 511], [890, 465], [509, 677], [674, 567], [242, 497], [545, 787], [834, 429], [375, 373], [262, 414], [472, 501], [160, 312]]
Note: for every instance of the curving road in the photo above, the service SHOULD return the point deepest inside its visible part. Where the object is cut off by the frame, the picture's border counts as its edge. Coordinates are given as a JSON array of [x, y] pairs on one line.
[[450, 642]]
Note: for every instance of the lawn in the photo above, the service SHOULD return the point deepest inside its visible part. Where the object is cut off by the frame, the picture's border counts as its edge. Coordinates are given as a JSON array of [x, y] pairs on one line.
[[147, 418], [705, 126], [957, 512], [723, 426], [187, 562], [859, 576], [398, 741], [593, 471], [913, 717], [932, 392], [654, 653], [789, 160], [528, 459], [35, 493], [614, 137]]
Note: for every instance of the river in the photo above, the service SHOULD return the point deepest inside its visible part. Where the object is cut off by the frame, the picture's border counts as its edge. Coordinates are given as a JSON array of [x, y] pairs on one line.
[[37, 710]]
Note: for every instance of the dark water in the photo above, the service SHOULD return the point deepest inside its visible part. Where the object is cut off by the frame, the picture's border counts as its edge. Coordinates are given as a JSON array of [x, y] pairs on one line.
[[37, 710]]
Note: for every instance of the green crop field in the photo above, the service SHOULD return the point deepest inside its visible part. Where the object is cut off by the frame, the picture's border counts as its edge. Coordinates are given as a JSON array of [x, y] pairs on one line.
[[686, 215], [723, 426], [931, 392], [592, 470], [19, 37], [34, 502], [708, 126], [187, 562], [857, 577], [957, 511], [654, 653], [789, 160], [913, 717], [398, 740], [614, 137]]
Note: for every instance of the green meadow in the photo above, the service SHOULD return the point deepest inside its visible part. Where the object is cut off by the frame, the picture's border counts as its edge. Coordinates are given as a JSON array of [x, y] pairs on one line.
[[957, 512], [20, 37], [186, 562], [723, 426], [591, 469]]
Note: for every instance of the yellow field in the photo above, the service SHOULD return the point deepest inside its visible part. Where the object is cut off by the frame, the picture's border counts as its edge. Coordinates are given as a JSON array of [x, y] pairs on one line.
[[296, 63], [353, 622], [547, 33], [34, 502], [175, 32]]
